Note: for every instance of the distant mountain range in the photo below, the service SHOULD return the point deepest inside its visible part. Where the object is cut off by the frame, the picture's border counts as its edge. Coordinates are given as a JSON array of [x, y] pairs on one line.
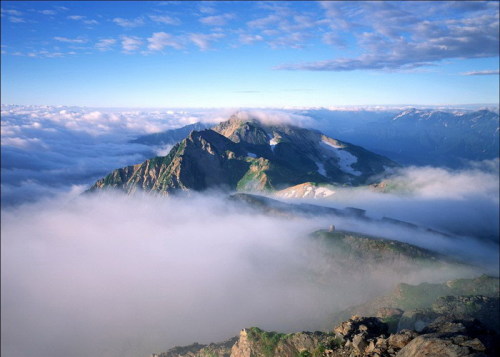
[[170, 137], [417, 137], [249, 155], [410, 137]]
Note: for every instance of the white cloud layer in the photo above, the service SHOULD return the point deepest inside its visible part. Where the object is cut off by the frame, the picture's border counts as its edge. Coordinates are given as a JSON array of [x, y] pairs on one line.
[[462, 202], [127, 276], [114, 275], [46, 150]]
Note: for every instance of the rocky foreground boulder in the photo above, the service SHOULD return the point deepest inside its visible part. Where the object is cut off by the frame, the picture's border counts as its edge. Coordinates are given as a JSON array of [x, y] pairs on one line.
[[356, 337], [458, 318]]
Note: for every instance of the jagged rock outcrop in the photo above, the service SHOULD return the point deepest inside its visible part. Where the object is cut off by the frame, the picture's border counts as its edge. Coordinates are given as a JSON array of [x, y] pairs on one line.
[[444, 337], [356, 337], [204, 160], [254, 342], [221, 349], [250, 156], [456, 318], [452, 338]]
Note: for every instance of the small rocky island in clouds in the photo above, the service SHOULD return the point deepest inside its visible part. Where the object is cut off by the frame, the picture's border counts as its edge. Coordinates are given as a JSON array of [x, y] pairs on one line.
[[250, 178]]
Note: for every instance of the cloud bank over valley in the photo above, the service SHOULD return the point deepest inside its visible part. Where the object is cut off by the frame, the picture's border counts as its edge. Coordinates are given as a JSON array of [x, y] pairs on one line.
[[109, 274]]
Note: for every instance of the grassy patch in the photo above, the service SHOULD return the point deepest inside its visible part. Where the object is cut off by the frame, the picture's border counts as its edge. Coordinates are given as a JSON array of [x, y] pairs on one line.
[[267, 341]]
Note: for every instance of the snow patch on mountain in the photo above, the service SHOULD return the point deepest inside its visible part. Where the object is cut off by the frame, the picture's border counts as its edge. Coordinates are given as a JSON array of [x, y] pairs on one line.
[[273, 142], [345, 158], [322, 192], [306, 190], [335, 146]]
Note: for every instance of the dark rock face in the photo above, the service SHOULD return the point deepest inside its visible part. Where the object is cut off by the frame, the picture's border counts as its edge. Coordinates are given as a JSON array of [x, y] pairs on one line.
[[417, 319], [249, 155], [203, 160], [369, 327]]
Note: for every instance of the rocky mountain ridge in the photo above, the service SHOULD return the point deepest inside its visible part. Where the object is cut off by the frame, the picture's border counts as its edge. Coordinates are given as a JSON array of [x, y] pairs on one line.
[[412, 136], [418, 136], [457, 328], [356, 337], [375, 253], [248, 155]]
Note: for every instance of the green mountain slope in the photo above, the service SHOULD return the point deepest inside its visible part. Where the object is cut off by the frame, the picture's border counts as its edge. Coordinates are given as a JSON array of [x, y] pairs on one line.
[[248, 155]]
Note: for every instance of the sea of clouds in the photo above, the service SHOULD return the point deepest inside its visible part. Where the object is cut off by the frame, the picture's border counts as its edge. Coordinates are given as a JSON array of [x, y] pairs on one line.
[[117, 275]]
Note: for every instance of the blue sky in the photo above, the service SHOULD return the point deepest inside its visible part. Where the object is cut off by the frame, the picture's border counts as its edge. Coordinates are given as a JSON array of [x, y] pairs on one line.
[[249, 54]]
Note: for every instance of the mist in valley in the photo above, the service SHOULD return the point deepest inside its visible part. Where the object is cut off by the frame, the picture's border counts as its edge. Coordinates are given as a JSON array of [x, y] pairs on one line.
[[116, 275], [112, 275]]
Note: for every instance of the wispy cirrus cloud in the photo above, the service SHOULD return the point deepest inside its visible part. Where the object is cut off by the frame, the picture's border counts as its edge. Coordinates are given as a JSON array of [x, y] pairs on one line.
[[83, 19], [11, 12], [139, 21], [43, 54], [70, 40], [203, 41], [482, 73], [217, 20], [402, 37], [48, 12], [159, 40], [249, 38], [207, 7], [105, 44], [76, 17], [263, 21], [16, 19], [165, 19], [14, 16], [283, 26], [131, 43]]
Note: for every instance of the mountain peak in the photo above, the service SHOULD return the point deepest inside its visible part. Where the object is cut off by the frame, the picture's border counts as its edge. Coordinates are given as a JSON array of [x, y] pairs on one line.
[[245, 154]]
